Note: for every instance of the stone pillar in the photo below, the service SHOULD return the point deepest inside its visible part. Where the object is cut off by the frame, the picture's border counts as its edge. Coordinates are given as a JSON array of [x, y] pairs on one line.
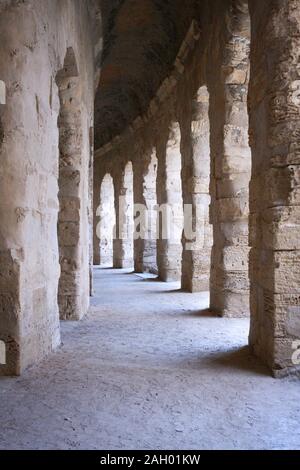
[[169, 199], [275, 184], [123, 242], [145, 172], [73, 224], [138, 195], [196, 255], [231, 168]]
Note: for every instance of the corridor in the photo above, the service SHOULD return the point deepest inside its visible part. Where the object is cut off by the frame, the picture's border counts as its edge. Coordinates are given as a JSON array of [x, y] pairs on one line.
[[149, 367]]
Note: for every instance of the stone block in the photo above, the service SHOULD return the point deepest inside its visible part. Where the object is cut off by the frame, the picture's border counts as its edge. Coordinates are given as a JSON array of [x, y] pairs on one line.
[[276, 271], [281, 228]]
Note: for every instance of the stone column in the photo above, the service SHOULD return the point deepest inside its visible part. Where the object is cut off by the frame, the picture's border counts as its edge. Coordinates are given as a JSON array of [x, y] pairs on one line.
[[138, 195], [73, 223], [195, 188], [231, 167], [169, 199], [123, 242], [275, 183]]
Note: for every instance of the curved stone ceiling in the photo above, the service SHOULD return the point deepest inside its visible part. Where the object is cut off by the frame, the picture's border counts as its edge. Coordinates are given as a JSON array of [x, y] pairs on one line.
[[141, 40]]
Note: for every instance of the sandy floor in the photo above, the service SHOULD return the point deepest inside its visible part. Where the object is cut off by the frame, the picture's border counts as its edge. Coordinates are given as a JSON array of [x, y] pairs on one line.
[[149, 368]]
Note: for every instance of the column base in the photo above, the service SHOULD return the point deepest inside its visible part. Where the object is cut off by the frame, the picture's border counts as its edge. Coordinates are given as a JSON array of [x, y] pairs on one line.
[[169, 276], [230, 304], [123, 264], [195, 285]]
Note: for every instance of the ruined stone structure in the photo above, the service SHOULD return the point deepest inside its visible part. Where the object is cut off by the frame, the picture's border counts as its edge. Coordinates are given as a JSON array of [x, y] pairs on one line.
[[189, 110]]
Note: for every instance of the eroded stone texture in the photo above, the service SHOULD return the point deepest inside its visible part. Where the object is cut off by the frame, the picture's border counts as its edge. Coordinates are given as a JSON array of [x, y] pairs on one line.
[[274, 190], [231, 162]]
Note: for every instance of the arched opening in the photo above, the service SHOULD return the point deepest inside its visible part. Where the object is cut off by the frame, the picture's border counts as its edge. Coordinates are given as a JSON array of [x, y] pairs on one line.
[[73, 290], [107, 223]]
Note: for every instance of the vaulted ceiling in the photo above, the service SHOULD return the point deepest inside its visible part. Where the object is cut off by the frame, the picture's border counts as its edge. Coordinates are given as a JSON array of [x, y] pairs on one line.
[[140, 41]]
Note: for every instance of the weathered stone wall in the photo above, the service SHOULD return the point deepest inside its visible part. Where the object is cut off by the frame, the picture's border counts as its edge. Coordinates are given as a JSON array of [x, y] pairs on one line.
[[35, 37], [274, 106]]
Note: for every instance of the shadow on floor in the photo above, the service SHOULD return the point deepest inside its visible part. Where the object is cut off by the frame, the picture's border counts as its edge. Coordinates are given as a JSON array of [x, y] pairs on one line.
[[205, 313], [241, 359]]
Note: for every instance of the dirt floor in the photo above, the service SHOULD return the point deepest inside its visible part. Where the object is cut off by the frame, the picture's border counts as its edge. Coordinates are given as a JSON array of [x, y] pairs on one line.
[[149, 368]]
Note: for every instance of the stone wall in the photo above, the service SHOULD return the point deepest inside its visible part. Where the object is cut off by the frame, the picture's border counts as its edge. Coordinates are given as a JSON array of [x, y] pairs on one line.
[[35, 37]]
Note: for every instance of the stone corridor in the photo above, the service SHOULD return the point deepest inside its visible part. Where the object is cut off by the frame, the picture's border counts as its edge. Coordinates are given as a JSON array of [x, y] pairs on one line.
[[149, 224], [149, 367]]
